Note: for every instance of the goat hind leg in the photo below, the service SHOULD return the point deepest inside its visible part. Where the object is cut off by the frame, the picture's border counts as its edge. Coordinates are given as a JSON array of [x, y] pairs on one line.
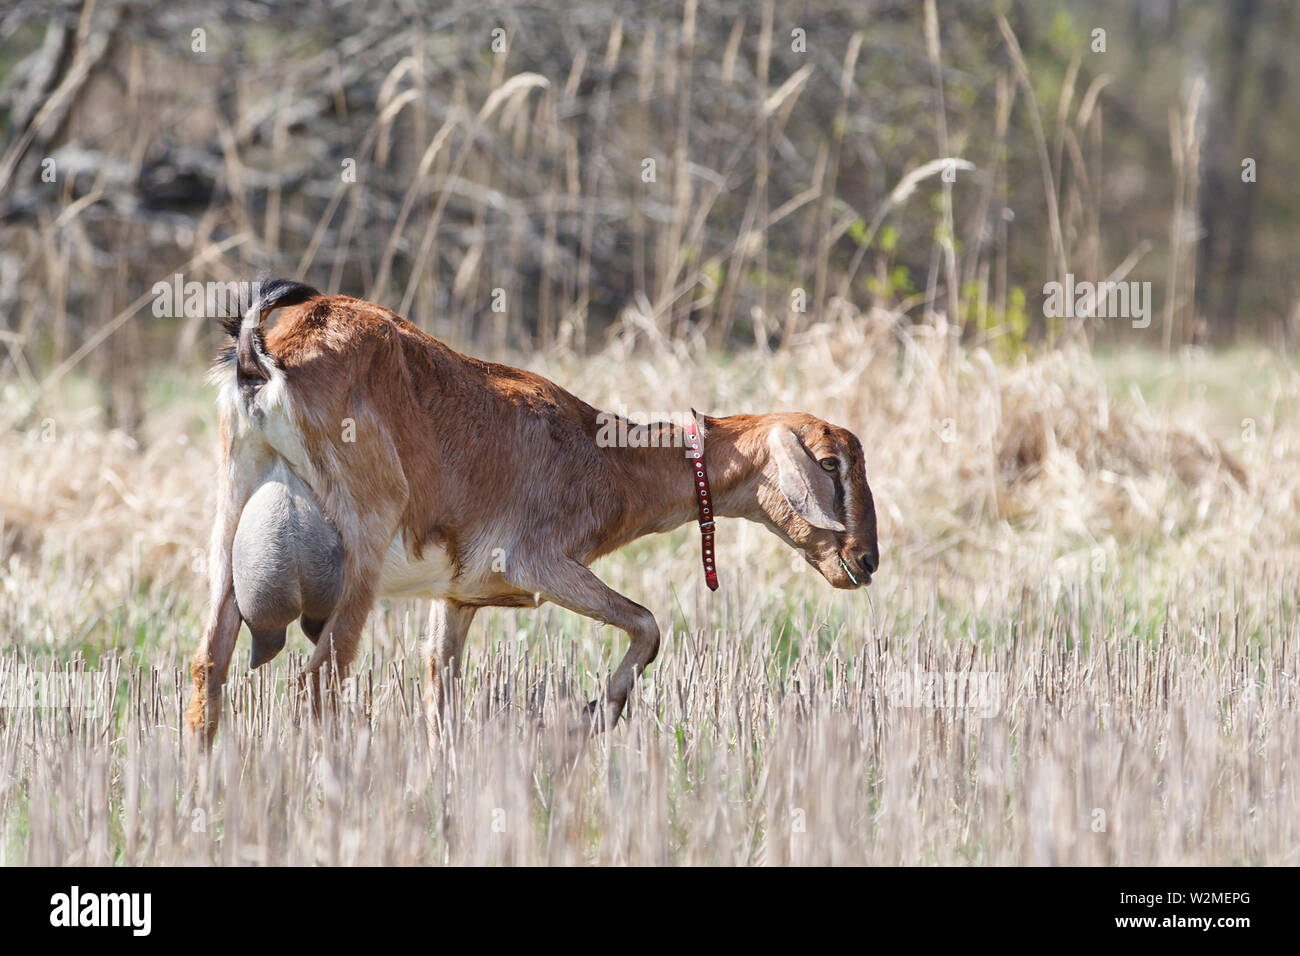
[[339, 641], [211, 662], [209, 669], [339, 638]]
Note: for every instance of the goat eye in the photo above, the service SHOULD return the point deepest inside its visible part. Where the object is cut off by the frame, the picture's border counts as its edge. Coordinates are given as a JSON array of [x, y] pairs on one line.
[[830, 464]]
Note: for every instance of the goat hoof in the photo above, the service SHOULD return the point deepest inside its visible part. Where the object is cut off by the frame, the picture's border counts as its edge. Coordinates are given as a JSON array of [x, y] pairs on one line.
[[598, 716], [590, 721]]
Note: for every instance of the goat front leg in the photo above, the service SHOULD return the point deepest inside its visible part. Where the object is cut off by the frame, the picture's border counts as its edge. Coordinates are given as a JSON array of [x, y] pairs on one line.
[[573, 586], [449, 624]]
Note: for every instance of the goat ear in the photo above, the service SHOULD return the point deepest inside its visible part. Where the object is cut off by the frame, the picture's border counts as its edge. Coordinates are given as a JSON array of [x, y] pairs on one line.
[[809, 490]]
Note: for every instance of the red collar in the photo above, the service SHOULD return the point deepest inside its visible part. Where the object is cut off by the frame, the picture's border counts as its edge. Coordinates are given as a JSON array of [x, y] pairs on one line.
[[695, 452]]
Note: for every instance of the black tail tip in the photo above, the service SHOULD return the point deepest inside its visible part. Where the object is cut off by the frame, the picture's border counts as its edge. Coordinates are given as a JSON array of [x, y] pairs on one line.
[[263, 295]]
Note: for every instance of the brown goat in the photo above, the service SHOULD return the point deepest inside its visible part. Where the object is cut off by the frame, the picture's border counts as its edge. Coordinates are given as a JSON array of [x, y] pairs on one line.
[[479, 485]]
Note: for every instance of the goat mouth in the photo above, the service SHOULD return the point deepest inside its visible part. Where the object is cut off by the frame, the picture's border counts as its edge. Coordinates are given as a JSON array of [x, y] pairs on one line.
[[860, 579]]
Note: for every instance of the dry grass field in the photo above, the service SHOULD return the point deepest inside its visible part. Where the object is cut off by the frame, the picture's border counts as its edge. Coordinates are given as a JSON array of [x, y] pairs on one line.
[[1083, 643], [1082, 646]]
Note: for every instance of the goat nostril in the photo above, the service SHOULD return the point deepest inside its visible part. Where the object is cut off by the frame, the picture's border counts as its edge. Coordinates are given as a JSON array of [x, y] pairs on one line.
[[869, 563]]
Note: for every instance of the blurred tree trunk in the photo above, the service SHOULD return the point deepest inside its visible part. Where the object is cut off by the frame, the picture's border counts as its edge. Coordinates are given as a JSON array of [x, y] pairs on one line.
[[1226, 208]]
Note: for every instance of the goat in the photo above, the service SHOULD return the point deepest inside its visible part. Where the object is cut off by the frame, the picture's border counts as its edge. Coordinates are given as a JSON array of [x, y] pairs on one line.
[[474, 484], [286, 563]]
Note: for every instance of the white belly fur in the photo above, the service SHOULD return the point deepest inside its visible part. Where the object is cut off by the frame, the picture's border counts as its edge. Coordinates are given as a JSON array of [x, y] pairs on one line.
[[404, 577]]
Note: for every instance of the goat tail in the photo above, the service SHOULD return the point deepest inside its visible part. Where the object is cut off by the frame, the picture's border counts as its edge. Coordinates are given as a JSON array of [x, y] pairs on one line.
[[252, 360]]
